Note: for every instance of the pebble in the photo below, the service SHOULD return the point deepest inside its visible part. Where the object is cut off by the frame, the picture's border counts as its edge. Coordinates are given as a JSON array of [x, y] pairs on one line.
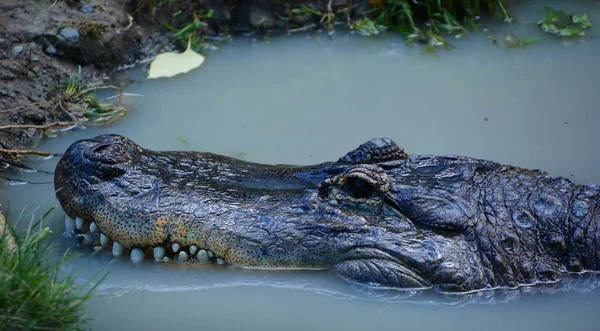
[[51, 50], [17, 50], [71, 34], [86, 9], [31, 35]]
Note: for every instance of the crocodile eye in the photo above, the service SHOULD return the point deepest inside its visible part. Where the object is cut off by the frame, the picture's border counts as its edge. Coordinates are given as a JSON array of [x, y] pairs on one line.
[[358, 188]]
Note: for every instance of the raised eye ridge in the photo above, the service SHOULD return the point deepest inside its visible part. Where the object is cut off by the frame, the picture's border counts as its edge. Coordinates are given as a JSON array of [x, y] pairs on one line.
[[358, 188]]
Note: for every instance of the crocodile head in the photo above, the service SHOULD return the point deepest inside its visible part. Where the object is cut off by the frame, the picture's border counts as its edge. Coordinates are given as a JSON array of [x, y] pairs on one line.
[[377, 216]]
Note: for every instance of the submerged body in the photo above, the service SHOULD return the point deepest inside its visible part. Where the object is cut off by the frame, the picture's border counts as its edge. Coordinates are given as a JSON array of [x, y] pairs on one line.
[[377, 216]]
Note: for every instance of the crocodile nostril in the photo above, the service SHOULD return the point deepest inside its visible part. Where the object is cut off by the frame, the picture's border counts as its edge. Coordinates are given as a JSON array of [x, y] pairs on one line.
[[107, 154]]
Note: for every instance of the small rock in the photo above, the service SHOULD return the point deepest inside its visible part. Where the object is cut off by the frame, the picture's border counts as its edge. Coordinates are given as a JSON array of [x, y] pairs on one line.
[[32, 45], [17, 50], [13, 16], [51, 50], [86, 9], [71, 34], [31, 35], [35, 58], [2, 42]]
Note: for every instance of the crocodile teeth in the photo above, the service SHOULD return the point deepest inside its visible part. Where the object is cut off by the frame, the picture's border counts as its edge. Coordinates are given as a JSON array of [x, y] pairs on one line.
[[93, 227], [193, 249], [202, 256], [175, 247], [103, 239], [137, 255], [69, 224], [86, 239], [210, 253], [159, 253], [79, 222], [117, 249], [220, 261], [183, 256]]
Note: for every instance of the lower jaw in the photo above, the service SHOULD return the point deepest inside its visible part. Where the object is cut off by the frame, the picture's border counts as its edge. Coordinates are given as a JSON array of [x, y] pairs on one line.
[[87, 232]]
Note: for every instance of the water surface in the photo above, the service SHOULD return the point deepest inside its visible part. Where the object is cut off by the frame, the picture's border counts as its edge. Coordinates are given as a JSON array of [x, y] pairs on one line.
[[307, 99]]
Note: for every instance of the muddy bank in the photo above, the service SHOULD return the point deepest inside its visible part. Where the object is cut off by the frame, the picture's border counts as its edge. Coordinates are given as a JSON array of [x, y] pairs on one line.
[[42, 45]]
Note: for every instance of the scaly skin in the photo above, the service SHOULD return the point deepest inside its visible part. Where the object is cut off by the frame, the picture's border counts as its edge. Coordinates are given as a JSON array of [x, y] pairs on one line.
[[377, 216]]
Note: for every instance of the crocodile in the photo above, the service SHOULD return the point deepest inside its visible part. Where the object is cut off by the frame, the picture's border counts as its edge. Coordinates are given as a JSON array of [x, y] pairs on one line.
[[378, 216]]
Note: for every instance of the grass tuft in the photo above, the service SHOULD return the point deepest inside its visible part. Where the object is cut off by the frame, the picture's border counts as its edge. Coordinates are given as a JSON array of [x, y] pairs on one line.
[[193, 32], [421, 21], [79, 101], [33, 293]]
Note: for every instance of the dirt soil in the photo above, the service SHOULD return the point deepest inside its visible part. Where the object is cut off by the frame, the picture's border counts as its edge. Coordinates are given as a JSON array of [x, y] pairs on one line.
[[43, 44]]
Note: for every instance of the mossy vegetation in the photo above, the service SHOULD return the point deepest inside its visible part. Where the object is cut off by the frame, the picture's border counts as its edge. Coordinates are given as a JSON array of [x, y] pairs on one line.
[[92, 29], [34, 295]]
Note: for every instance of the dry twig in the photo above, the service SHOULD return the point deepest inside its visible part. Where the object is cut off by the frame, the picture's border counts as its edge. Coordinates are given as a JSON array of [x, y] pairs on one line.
[[24, 152], [39, 127]]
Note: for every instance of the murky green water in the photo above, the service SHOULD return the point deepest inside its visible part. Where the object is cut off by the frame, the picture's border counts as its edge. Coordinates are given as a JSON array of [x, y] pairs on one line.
[[301, 100]]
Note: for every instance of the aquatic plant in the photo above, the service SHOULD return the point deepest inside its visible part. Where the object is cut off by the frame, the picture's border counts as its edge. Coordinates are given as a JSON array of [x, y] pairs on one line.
[[33, 293], [563, 25]]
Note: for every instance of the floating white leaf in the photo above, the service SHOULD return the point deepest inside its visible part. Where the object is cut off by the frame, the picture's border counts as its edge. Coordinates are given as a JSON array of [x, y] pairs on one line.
[[171, 63]]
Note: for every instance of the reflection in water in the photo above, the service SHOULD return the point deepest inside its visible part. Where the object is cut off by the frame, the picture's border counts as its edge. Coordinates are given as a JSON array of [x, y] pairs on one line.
[[302, 100], [173, 277]]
